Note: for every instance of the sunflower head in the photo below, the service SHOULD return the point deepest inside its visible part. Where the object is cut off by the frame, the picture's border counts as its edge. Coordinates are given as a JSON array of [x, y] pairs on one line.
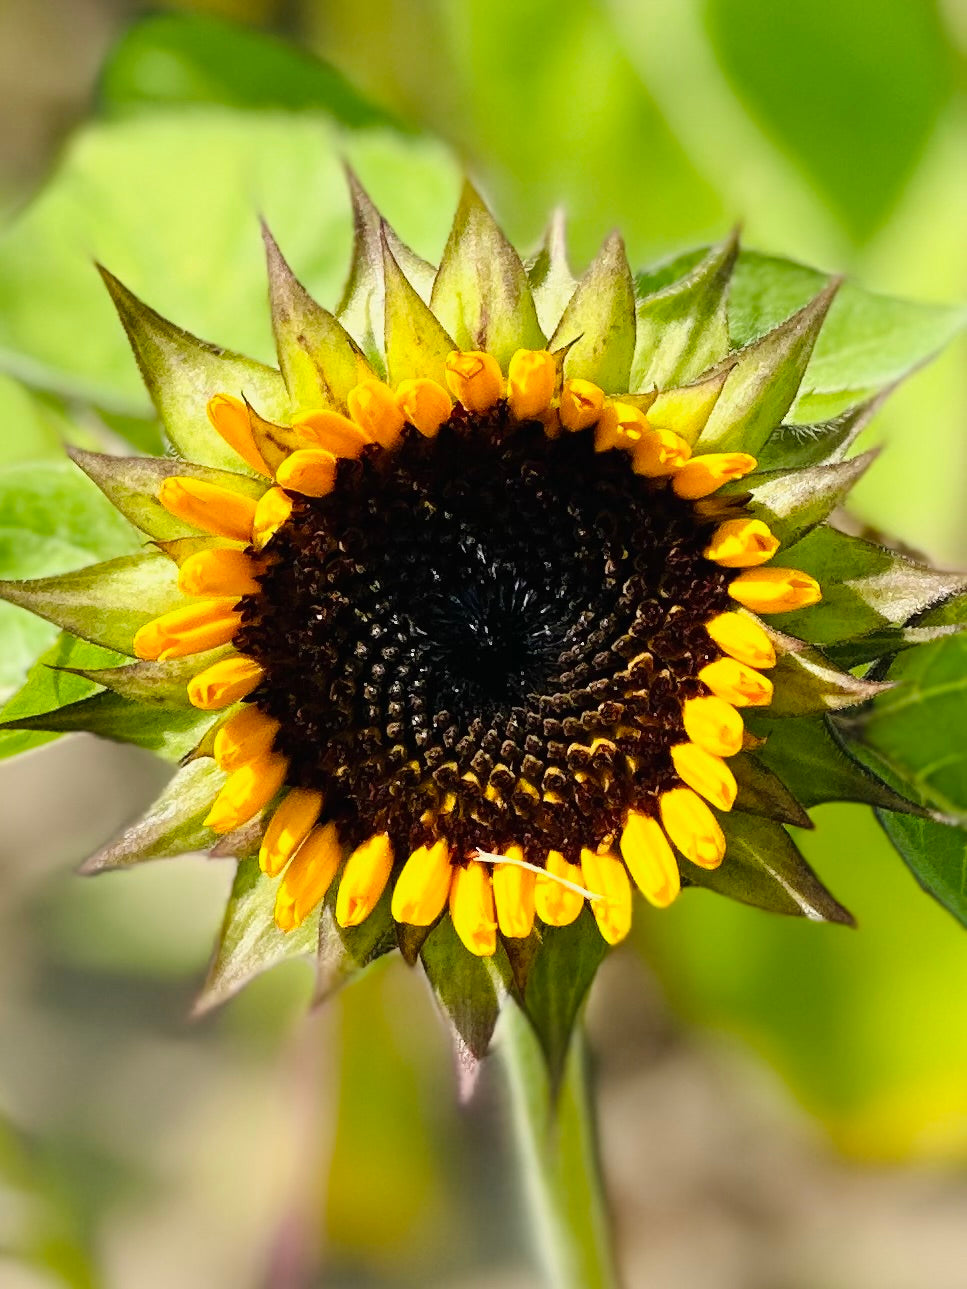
[[485, 610]]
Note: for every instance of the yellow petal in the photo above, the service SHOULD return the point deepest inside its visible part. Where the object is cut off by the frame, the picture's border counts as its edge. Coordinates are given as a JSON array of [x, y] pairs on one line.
[[775, 590], [619, 426], [246, 736], [475, 379], [424, 403], [659, 454], [557, 905], [737, 683], [308, 877], [742, 638], [208, 506], [708, 775], [219, 572], [311, 471], [292, 821], [224, 683], [605, 875], [364, 880], [472, 908], [273, 509], [704, 474], [421, 890], [246, 791], [373, 406], [193, 628], [230, 419], [531, 377], [514, 896], [692, 827], [332, 432], [713, 724], [650, 859], [581, 405], [741, 543]]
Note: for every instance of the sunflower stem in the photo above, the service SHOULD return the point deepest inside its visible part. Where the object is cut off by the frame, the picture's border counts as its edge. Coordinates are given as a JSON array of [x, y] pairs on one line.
[[556, 1145]]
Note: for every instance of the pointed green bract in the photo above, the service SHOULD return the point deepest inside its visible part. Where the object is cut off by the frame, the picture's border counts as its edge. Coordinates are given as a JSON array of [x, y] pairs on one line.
[[249, 942], [795, 447], [764, 381], [469, 990], [170, 732], [558, 984], [886, 641], [159, 684], [864, 586], [361, 309], [416, 343], [481, 293], [182, 373], [104, 603], [682, 329], [172, 826], [343, 952], [812, 760], [132, 484], [764, 868], [550, 276], [806, 683], [274, 442], [760, 792], [793, 502], [320, 361], [599, 322]]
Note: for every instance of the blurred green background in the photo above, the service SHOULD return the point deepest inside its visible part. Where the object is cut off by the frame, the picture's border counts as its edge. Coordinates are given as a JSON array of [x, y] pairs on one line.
[[782, 1104]]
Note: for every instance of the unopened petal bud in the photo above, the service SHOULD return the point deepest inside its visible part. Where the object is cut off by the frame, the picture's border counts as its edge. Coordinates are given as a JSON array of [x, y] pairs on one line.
[[741, 543], [292, 821], [271, 512], [659, 454], [246, 736], [424, 403], [373, 406], [332, 432], [704, 474], [247, 791], [219, 572], [208, 506], [531, 377], [475, 379], [581, 404], [308, 877], [514, 896], [692, 827], [311, 471], [650, 859], [558, 905], [363, 880], [193, 628], [224, 683], [775, 590], [230, 419], [621, 426], [743, 639], [472, 909], [737, 683]]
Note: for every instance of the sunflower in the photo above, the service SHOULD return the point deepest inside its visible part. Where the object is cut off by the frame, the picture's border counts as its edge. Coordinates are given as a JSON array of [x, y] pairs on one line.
[[475, 603]]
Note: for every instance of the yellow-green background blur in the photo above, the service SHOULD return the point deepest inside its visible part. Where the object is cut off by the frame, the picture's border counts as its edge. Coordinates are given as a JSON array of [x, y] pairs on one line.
[[782, 1105]]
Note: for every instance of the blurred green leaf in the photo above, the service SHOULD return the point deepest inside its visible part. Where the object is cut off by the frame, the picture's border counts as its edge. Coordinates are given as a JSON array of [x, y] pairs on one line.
[[851, 94], [180, 59], [179, 225]]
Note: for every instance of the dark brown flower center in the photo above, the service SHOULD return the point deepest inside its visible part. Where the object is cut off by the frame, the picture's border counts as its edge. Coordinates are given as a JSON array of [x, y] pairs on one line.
[[487, 637]]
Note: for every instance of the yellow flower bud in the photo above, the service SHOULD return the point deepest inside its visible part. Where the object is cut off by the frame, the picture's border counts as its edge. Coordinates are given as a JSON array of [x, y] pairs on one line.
[[708, 775], [530, 382], [775, 590], [308, 877], [605, 875], [743, 639], [475, 379], [738, 684], [292, 821], [741, 543], [421, 890], [704, 474]]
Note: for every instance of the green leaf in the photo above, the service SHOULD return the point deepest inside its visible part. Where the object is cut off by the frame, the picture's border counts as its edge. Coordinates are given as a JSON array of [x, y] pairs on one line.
[[806, 682], [792, 502], [182, 373], [181, 59], [469, 990], [172, 826], [760, 792], [763, 867], [864, 587], [171, 732], [764, 381], [320, 361], [796, 446], [163, 684], [105, 603], [599, 322], [179, 225], [39, 430], [481, 294], [558, 984], [343, 952], [936, 854], [811, 759], [52, 683], [249, 941], [131, 484], [682, 328], [887, 640]]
